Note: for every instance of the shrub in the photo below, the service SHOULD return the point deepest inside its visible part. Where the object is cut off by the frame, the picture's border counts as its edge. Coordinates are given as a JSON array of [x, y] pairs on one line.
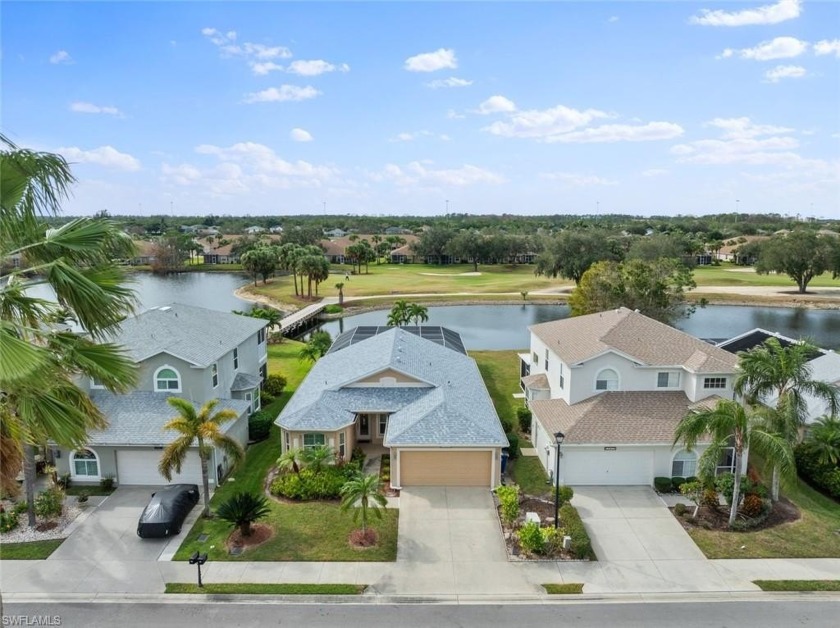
[[692, 478], [83, 496], [242, 510], [822, 475], [259, 425], [266, 399], [749, 523], [565, 494], [8, 520], [710, 499], [21, 507], [680, 509], [107, 483], [677, 482], [513, 450], [662, 485], [553, 540], [509, 502], [274, 385], [312, 484], [63, 481], [358, 457], [507, 424], [752, 505], [581, 544], [523, 417], [49, 503], [333, 308], [531, 538]]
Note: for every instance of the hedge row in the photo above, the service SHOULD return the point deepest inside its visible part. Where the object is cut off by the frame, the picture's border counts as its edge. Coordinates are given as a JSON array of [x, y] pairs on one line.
[[822, 475], [572, 523]]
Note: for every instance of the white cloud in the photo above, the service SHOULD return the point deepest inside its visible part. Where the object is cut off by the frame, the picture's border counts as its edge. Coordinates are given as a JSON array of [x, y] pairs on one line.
[[741, 128], [419, 173], [575, 179], [784, 71], [650, 132], [496, 104], [264, 67], [452, 81], [300, 135], [62, 56], [284, 93], [315, 67], [543, 123], [770, 14], [258, 56], [432, 61], [613, 19], [778, 48], [655, 172], [406, 136], [454, 115], [86, 107], [105, 156], [827, 47]]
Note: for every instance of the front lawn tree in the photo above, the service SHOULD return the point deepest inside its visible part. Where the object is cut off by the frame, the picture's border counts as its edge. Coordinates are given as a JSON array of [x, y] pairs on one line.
[[656, 289], [781, 377], [316, 347], [730, 425], [801, 255], [574, 251], [242, 510], [200, 428], [362, 493], [260, 261]]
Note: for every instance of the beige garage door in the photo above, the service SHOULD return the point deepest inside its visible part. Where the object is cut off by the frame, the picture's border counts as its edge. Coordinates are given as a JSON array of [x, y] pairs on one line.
[[445, 468]]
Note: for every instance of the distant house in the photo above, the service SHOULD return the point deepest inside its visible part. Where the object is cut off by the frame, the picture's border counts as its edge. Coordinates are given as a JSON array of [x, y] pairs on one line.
[[824, 364], [617, 384], [145, 253], [412, 390], [277, 229], [182, 351], [335, 233], [208, 231], [216, 253], [334, 250], [254, 230], [402, 255], [729, 252]]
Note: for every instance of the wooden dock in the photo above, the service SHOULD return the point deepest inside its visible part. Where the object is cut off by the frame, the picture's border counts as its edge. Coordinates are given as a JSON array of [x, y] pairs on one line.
[[294, 322]]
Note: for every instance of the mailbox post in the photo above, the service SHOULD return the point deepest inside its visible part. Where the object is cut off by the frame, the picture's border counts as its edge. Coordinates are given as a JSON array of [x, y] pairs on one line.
[[198, 559]]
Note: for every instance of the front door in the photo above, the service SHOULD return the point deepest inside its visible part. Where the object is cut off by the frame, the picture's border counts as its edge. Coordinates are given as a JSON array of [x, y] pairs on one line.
[[364, 427]]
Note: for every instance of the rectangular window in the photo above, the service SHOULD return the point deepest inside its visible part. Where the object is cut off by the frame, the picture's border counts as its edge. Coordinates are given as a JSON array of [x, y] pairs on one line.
[[341, 445], [287, 441], [383, 424], [535, 359], [214, 374], [667, 380], [263, 373], [86, 467], [714, 382], [311, 441], [257, 400], [562, 379], [546, 359], [235, 358], [261, 336]]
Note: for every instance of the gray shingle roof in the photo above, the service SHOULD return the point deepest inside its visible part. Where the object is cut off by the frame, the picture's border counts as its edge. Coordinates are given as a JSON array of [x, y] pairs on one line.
[[195, 334], [453, 408], [244, 381], [138, 418], [648, 341]]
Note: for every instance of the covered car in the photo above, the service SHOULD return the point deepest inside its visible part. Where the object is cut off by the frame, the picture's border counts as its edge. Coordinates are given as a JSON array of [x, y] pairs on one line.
[[165, 513]]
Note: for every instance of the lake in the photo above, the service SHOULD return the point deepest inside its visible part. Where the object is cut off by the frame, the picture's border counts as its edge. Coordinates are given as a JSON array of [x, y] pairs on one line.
[[493, 327]]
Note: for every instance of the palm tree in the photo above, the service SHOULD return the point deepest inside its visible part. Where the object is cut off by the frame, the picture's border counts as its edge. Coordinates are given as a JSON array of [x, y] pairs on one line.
[[317, 457], [340, 287], [781, 376], [317, 346], [824, 439], [399, 314], [419, 313], [364, 491], [41, 402], [290, 460], [732, 425], [377, 240], [242, 510], [201, 428]]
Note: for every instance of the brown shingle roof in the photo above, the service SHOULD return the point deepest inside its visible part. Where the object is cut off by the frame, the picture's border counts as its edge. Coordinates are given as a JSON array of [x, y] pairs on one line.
[[617, 417], [536, 382], [647, 341]]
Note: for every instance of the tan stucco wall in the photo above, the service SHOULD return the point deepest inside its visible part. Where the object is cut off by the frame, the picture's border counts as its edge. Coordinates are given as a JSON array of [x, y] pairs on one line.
[[332, 439], [401, 378]]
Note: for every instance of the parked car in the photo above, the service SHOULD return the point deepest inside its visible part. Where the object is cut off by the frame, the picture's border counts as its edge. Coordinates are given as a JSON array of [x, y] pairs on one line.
[[165, 513]]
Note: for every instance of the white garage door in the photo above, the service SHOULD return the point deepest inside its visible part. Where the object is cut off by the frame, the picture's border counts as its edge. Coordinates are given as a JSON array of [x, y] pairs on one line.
[[140, 466], [616, 468]]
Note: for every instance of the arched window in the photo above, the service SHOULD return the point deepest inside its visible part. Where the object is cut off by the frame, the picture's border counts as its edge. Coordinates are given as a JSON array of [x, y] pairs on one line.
[[607, 379], [167, 380], [84, 464], [684, 464]]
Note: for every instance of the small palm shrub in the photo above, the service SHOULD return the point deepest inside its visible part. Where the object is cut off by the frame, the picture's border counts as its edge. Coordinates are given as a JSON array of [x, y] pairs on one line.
[[318, 457], [509, 503], [361, 494], [242, 510]]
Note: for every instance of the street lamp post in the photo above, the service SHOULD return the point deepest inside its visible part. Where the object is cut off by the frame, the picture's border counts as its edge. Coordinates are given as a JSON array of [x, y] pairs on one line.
[[559, 437]]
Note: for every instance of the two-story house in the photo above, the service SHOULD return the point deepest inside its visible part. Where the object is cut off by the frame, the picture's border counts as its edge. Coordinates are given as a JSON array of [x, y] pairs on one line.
[[412, 391], [183, 351], [616, 384]]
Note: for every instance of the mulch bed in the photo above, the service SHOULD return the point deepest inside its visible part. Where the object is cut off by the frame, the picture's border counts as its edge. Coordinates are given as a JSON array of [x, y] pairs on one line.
[[784, 511], [260, 533], [363, 540], [545, 509]]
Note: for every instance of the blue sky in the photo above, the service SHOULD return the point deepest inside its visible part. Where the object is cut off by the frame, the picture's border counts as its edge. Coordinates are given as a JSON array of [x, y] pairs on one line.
[[397, 108]]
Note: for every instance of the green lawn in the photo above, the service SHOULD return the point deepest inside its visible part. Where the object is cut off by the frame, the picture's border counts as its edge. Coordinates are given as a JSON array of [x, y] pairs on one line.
[[283, 360], [731, 275], [798, 585], [813, 536], [266, 589], [529, 474], [35, 550], [500, 371], [563, 589], [386, 279]]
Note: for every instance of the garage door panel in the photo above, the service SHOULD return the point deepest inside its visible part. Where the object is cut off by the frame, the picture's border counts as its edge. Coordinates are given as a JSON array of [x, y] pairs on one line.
[[609, 468], [140, 467], [445, 468]]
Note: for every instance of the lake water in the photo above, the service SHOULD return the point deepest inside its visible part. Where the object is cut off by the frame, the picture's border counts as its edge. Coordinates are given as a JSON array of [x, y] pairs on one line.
[[494, 327]]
